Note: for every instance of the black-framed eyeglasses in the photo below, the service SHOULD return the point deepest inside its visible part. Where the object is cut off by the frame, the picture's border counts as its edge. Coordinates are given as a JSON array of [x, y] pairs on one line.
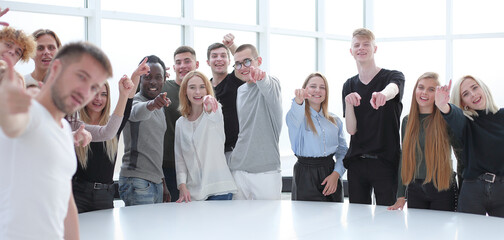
[[246, 63]]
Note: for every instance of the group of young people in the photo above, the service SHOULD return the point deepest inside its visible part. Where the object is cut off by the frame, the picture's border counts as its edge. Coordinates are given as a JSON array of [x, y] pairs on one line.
[[421, 172], [195, 138]]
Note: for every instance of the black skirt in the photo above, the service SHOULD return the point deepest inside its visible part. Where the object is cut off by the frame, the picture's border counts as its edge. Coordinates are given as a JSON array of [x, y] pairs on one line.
[[309, 173]]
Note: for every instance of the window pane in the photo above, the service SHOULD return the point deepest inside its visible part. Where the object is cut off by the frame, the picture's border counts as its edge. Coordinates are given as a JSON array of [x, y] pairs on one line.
[[484, 16], [203, 37], [342, 17], [340, 66], [126, 51], [291, 65], [169, 8], [397, 18], [67, 28], [293, 14], [226, 11], [65, 3], [413, 58], [468, 59]]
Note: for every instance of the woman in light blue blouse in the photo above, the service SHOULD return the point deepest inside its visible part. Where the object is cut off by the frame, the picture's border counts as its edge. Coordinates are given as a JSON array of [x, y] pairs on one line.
[[316, 136]]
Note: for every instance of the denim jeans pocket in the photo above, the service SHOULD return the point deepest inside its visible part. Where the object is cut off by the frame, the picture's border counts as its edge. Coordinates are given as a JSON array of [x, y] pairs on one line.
[[141, 185]]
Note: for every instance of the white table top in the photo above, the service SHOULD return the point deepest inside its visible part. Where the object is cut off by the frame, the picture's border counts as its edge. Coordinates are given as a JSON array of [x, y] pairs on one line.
[[283, 220]]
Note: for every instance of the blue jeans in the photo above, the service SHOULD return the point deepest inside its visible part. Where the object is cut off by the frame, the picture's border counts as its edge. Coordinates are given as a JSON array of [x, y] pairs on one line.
[[228, 196], [480, 197], [137, 191]]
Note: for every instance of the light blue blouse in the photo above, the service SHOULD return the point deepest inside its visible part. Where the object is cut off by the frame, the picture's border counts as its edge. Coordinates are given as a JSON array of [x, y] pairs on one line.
[[328, 140]]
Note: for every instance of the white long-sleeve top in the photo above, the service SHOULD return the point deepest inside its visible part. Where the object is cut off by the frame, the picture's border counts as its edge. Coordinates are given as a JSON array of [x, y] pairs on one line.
[[199, 156]]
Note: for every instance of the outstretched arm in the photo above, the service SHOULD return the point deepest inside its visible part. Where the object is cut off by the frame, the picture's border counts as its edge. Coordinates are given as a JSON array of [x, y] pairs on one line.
[[351, 100], [379, 99], [14, 102]]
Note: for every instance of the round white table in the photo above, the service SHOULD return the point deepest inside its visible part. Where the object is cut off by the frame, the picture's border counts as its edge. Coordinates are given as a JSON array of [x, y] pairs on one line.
[[283, 220]]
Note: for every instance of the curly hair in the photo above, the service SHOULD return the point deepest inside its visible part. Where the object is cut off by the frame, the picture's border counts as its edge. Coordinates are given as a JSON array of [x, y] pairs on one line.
[[24, 40]]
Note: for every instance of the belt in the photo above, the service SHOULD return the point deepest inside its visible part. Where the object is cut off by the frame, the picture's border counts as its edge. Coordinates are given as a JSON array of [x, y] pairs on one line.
[[94, 185], [368, 156], [101, 185], [491, 178]]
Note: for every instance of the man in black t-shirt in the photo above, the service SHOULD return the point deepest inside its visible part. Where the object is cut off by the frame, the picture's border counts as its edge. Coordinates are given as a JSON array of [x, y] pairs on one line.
[[225, 86], [372, 108]]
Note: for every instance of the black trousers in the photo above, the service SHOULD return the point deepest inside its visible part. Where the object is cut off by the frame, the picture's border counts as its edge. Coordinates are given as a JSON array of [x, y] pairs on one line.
[[88, 198], [426, 196], [308, 175], [366, 174], [480, 197], [171, 183]]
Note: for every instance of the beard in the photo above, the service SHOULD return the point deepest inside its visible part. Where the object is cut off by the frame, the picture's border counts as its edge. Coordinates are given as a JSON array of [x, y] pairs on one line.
[[59, 100]]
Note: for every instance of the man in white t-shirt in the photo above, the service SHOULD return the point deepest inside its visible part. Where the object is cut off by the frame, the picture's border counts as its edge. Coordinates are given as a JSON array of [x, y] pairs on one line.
[[38, 158]]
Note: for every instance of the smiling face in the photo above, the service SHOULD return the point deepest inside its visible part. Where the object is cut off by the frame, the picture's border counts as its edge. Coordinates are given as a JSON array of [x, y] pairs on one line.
[[196, 90], [99, 101], [243, 72], [184, 63], [472, 95], [363, 48], [11, 50], [425, 94], [151, 84], [316, 87], [46, 49], [219, 61]]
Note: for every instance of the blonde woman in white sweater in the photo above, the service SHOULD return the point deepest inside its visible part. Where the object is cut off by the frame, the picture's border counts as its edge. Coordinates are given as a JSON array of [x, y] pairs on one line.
[[202, 171]]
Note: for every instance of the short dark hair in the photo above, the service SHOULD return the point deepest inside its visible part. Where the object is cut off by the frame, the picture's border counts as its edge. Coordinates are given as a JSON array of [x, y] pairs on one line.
[[42, 32], [215, 46], [243, 47], [156, 59], [184, 49], [73, 52]]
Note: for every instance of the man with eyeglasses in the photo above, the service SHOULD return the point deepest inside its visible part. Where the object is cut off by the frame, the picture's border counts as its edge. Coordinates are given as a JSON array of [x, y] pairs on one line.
[[225, 87], [185, 61], [255, 161]]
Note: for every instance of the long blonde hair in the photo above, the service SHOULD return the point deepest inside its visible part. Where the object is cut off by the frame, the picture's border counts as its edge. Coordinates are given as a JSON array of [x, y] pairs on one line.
[[471, 113], [184, 103], [323, 105], [110, 145], [437, 144]]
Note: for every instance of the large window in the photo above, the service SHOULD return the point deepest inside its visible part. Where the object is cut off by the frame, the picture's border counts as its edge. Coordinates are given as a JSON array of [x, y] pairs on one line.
[[169, 8], [227, 11], [292, 59], [396, 18]]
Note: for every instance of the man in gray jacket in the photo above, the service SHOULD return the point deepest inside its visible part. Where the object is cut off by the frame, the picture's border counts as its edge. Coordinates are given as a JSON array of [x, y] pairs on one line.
[[255, 161]]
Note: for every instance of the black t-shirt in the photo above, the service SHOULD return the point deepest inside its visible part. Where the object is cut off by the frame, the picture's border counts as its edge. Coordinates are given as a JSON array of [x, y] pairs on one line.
[[225, 93], [377, 130], [99, 167]]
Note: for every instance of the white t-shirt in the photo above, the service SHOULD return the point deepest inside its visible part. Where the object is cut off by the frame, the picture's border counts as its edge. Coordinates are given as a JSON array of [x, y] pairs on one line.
[[29, 80], [35, 178]]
